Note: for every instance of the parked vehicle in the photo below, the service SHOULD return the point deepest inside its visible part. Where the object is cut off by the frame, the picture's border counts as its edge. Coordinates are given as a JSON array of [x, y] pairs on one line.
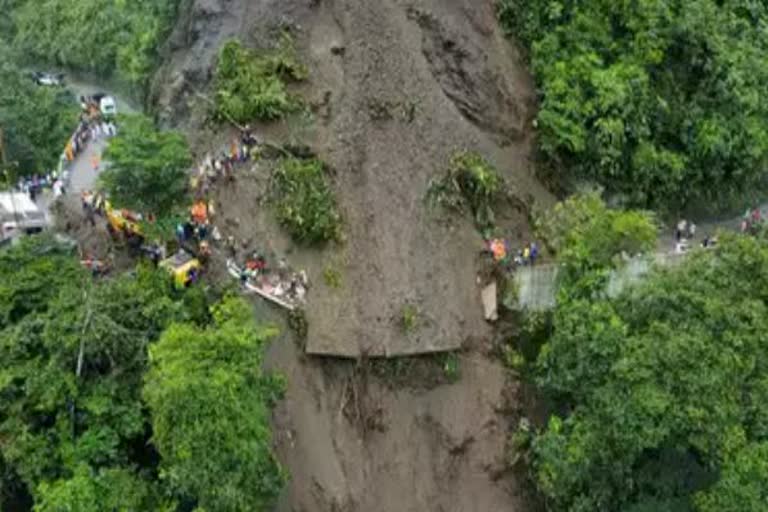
[[48, 79], [108, 106]]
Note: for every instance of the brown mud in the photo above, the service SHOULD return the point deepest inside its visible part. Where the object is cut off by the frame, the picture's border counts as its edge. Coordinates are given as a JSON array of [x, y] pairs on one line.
[[395, 88]]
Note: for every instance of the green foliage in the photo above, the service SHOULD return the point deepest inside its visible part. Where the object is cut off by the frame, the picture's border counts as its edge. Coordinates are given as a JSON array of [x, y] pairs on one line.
[[742, 483], [587, 236], [36, 121], [659, 100], [306, 205], [664, 388], [101, 36], [471, 183], [251, 85], [451, 367], [74, 425], [72, 354], [409, 317], [191, 371], [332, 277], [148, 168], [112, 489]]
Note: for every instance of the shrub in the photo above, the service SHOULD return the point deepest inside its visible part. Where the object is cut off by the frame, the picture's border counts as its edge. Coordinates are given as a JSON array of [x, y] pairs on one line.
[[471, 183], [409, 318], [306, 205], [252, 85], [661, 102], [332, 277]]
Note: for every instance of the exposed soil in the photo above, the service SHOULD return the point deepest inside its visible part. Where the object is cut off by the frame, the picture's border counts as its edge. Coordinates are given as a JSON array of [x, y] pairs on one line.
[[396, 87]]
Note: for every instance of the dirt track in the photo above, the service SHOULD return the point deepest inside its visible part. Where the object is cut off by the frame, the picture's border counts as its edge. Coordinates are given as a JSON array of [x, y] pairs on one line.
[[396, 87]]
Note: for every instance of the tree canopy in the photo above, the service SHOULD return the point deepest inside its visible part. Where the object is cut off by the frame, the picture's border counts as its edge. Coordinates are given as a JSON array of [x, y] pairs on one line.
[[102, 36], [75, 428], [36, 121], [205, 385], [148, 167], [661, 101], [662, 389]]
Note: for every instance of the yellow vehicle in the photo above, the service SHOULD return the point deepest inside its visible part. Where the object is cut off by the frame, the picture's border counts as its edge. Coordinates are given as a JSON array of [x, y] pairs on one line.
[[123, 221], [184, 268]]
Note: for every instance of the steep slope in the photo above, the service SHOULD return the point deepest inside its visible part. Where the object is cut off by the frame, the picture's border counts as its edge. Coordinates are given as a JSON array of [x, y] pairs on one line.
[[395, 87]]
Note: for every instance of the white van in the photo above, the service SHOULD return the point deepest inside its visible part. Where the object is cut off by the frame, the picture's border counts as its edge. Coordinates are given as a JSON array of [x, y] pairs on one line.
[[108, 106]]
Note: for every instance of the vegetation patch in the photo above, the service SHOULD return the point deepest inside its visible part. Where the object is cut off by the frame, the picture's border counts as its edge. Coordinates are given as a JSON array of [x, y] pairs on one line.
[[306, 205], [332, 277], [148, 167], [409, 318], [90, 368], [100, 36], [36, 122], [662, 102], [470, 184], [253, 85]]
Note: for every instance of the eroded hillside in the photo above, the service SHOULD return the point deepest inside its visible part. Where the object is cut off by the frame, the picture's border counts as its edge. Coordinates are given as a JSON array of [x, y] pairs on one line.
[[396, 87]]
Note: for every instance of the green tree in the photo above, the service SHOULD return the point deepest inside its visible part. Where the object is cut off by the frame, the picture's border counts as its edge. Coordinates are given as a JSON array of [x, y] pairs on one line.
[[652, 381], [661, 101], [148, 167], [214, 450], [305, 202], [589, 239], [36, 121], [115, 490], [102, 36], [72, 358], [251, 85]]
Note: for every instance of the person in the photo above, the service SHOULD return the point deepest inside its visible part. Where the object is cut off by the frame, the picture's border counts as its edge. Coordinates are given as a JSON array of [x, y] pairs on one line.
[[691, 230], [681, 228], [534, 252], [95, 161], [519, 258], [180, 232], [526, 254]]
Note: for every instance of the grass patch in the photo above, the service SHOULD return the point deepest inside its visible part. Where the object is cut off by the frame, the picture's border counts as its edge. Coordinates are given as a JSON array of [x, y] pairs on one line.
[[471, 184], [306, 205], [332, 277], [409, 317], [252, 85]]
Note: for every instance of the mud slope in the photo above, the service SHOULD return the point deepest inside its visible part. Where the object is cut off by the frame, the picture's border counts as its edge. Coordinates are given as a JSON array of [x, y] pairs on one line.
[[397, 87]]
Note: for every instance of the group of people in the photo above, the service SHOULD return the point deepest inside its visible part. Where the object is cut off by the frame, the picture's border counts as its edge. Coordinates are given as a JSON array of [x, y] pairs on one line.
[[213, 168], [198, 229], [34, 185], [499, 249], [685, 231]]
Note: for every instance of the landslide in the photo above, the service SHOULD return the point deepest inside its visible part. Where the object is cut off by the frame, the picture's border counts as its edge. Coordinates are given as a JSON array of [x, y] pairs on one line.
[[395, 87]]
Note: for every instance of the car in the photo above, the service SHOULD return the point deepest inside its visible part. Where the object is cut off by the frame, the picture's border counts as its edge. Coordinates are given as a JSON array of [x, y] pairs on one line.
[[48, 79], [108, 106]]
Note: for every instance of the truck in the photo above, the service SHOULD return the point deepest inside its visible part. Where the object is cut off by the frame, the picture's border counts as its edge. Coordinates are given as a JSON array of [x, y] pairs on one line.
[[19, 216]]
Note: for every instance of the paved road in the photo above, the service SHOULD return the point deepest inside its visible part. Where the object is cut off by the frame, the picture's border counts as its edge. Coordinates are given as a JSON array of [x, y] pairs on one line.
[[82, 175]]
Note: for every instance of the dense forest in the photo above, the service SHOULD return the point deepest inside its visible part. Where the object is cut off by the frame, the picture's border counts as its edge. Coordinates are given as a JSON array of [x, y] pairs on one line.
[[111, 391], [661, 389], [661, 101], [99, 36], [36, 121]]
